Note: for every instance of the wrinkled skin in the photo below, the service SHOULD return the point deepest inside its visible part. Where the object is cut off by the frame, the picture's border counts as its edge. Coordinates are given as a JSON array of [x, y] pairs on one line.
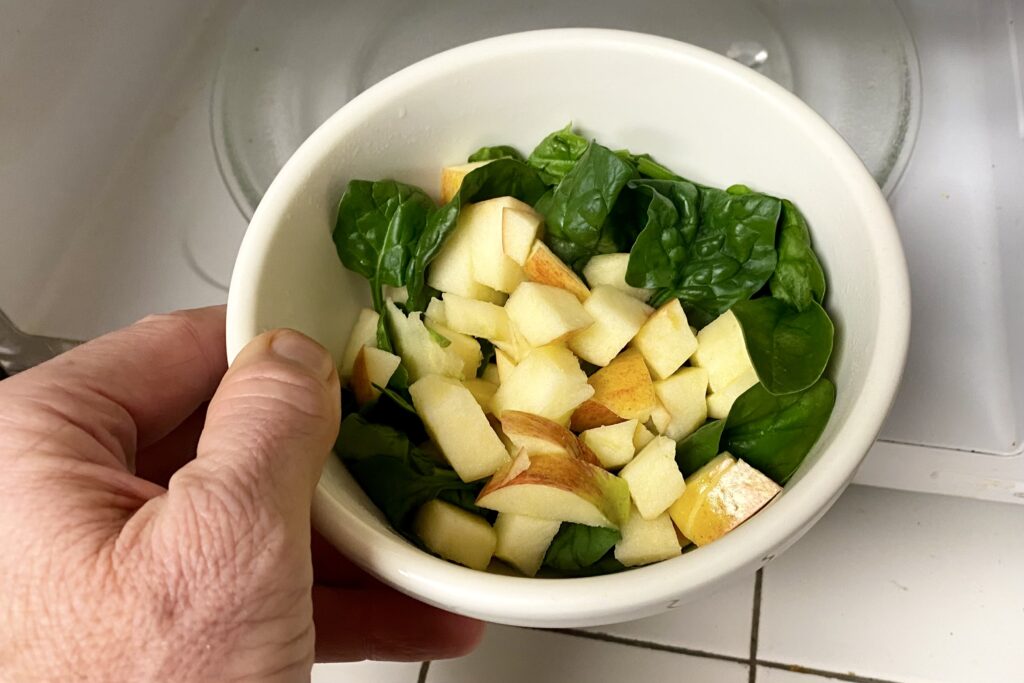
[[149, 533]]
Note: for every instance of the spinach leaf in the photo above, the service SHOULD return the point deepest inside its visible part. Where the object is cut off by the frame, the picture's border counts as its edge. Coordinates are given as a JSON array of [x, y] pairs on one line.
[[775, 433], [500, 178], [378, 227], [789, 348], [397, 476], [647, 167], [699, 448], [578, 209], [557, 154], [496, 152], [577, 546], [606, 565], [733, 255], [798, 279], [662, 249]]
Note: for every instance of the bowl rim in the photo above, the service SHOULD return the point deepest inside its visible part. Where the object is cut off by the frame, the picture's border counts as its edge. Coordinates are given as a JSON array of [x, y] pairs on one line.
[[594, 600]]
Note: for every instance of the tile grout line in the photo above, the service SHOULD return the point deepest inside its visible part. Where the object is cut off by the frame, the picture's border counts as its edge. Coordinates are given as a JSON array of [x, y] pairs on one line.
[[424, 668], [648, 645], [755, 625]]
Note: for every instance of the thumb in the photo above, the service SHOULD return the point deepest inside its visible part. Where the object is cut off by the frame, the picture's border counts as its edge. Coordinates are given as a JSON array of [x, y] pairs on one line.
[[269, 429]]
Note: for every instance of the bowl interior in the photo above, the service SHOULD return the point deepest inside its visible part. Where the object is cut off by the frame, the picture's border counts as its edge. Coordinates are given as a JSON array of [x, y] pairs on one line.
[[700, 114]]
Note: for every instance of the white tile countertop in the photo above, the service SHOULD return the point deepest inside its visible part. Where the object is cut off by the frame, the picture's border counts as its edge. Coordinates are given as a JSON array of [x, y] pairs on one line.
[[890, 587]]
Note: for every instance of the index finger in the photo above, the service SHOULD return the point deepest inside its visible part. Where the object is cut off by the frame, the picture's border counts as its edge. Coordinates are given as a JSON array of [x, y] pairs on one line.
[[133, 385]]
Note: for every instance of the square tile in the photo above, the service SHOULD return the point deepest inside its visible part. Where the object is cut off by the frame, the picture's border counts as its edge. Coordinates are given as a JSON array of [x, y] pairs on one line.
[[514, 655], [903, 587], [717, 623], [769, 675], [366, 672]]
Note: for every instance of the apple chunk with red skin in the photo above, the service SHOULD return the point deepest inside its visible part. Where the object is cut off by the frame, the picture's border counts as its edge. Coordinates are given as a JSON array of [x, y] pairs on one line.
[[557, 488], [541, 436]]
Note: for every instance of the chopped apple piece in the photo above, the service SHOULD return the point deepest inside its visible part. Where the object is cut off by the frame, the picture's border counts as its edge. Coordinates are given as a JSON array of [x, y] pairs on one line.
[[622, 391], [523, 541], [617, 319], [452, 268], [722, 351], [548, 382], [397, 294], [504, 363], [516, 346], [452, 176], [654, 479], [544, 267], [364, 333], [545, 314], [720, 403], [665, 340], [684, 397], [420, 352], [557, 488], [455, 534], [610, 269], [491, 374], [491, 266], [476, 318], [647, 540], [519, 229], [660, 419], [612, 444], [464, 346], [727, 492], [372, 367], [435, 312], [482, 390], [642, 436], [540, 436], [457, 424]]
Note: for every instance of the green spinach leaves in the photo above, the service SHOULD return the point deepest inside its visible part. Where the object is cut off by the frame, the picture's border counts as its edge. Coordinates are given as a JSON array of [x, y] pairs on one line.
[[556, 154], [798, 279], [576, 548]]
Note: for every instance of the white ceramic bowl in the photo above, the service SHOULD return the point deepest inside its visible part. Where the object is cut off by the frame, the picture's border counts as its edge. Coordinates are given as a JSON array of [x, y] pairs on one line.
[[697, 112]]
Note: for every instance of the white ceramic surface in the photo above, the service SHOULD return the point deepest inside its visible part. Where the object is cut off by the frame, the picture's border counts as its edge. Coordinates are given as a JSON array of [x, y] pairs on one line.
[[707, 117]]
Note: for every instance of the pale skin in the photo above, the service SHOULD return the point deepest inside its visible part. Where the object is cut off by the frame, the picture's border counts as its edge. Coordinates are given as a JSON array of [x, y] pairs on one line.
[[154, 517]]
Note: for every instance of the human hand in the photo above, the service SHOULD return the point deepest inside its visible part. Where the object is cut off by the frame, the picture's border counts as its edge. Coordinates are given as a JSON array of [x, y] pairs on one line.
[[202, 573]]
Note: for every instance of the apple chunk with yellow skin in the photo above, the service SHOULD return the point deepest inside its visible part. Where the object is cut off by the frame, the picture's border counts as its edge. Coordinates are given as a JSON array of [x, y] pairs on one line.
[[642, 436], [519, 228], [684, 396], [491, 266], [455, 534], [665, 340], [557, 488], [452, 177], [544, 314], [523, 541], [476, 318], [610, 269], [654, 479], [452, 268], [720, 402], [622, 391], [544, 267], [617, 318], [541, 436], [726, 492], [612, 444], [459, 427], [647, 540], [364, 333], [722, 351], [548, 382], [372, 367], [422, 354]]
